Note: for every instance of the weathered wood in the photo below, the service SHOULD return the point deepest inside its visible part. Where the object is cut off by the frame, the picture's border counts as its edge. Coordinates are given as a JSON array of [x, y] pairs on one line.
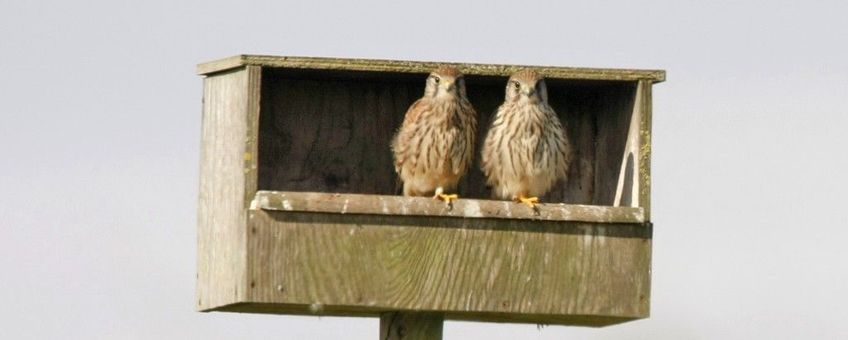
[[428, 207], [578, 111], [220, 65], [627, 190], [318, 130], [251, 140], [329, 135], [644, 180], [224, 189], [373, 65], [488, 270], [365, 311], [613, 124], [411, 326]]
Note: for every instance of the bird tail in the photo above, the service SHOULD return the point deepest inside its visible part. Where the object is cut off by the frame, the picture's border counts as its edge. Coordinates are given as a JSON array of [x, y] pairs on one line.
[[398, 186]]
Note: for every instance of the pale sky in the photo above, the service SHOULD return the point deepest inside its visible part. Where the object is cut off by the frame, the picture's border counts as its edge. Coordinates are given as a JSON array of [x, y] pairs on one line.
[[99, 146]]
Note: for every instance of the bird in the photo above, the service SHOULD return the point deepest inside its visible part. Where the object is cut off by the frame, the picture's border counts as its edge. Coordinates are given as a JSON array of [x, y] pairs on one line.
[[526, 150], [435, 145]]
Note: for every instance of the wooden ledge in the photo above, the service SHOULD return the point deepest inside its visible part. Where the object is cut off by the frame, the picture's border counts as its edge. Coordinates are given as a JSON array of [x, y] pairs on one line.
[[424, 206], [402, 66]]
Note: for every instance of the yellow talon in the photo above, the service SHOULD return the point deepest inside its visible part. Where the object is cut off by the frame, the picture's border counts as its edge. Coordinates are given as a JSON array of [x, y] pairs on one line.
[[529, 201], [448, 198]]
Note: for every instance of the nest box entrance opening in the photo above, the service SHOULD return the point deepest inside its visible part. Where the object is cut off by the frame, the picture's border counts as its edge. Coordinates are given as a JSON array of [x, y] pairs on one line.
[[330, 131]]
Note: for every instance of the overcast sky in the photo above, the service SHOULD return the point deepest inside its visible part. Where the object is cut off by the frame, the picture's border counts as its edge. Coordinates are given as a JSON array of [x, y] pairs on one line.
[[99, 146]]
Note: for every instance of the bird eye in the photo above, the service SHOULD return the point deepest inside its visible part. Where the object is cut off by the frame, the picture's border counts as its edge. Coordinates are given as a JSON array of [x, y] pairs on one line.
[[436, 79], [516, 85]]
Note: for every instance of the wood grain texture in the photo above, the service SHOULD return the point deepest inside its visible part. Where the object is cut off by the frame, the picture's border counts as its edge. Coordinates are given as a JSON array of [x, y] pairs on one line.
[[488, 270], [627, 189], [613, 132], [366, 311], [251, 135], [318, 129], [373, 65], [644, 180], [428, 207], [223, 188], [331, 133], [411, 326]]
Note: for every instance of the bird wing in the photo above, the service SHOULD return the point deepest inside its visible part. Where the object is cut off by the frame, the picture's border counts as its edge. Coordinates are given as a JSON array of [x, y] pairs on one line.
[[566, 155], [554, 147], [490, 155], [462, 151], [402, 143]]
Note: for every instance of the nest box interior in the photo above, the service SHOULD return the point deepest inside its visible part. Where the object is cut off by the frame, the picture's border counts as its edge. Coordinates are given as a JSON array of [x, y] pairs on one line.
[[329, 131]]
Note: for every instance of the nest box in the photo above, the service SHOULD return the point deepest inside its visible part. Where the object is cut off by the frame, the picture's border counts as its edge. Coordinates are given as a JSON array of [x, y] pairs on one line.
[[299, 212]]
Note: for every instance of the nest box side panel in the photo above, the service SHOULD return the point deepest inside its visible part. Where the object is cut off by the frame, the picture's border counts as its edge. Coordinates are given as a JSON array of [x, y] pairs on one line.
[[227, 183], [645, 147]]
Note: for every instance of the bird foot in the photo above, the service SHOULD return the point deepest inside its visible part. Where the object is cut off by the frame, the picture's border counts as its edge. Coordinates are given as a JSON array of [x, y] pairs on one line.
[[529, 201], [448, 198]]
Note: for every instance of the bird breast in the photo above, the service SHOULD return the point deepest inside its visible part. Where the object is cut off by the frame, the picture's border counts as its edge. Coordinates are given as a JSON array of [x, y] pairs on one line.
[[439, 131], [525, 150]]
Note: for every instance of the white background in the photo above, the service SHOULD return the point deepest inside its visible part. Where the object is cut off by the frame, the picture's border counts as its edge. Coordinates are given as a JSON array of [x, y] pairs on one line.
[[99, 147]]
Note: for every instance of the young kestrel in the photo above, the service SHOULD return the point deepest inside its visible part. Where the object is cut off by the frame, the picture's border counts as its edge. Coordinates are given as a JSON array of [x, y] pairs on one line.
[[526, 150], [434, 146]]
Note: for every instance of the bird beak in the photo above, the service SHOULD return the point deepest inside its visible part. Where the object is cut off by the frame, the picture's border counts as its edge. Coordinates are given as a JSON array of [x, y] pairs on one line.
[[448, 84], [529, 91]]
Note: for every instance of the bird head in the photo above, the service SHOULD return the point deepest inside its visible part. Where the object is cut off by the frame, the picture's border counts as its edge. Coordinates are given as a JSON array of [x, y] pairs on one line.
[[526, 85], [445, 81]]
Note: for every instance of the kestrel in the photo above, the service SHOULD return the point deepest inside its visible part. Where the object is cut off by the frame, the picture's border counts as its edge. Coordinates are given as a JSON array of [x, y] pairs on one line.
[[526, 150], [434, 146]]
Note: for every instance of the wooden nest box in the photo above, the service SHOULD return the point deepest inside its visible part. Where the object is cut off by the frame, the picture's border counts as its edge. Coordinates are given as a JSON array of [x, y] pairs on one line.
[[299, 212]]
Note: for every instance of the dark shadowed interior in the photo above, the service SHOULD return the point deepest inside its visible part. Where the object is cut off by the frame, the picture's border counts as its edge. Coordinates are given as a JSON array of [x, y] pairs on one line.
[[329, 131]]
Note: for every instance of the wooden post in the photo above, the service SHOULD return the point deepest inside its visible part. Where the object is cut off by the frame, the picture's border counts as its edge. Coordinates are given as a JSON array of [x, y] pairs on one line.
[[411, 326]]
